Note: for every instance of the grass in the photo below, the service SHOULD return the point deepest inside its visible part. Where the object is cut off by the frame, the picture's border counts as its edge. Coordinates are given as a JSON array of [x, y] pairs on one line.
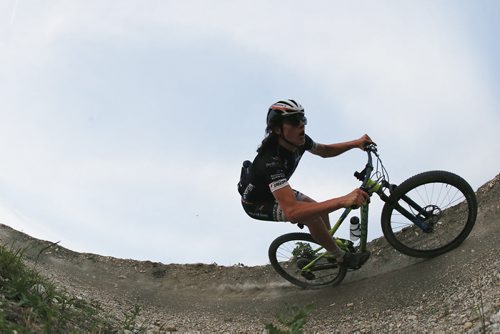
[[480, 311], [292, 321], [31, 304]]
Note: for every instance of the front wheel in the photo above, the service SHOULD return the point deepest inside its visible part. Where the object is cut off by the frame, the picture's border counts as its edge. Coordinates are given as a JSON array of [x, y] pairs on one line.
[[429, 214], [302, 261]]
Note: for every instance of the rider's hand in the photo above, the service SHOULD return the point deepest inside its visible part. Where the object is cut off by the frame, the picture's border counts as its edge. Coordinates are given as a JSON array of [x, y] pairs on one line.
[[356, 198], [364, 141]]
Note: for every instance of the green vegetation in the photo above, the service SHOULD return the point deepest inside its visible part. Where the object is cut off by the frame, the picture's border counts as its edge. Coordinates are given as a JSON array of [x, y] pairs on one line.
[[31, 304], [292, 321], [480, 311]]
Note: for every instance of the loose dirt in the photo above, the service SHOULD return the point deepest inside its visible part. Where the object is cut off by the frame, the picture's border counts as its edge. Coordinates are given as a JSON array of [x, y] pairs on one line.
[[456, 292]]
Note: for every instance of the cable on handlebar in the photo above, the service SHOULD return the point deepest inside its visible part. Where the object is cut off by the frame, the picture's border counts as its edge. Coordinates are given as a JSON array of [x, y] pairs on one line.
[[378, 172]]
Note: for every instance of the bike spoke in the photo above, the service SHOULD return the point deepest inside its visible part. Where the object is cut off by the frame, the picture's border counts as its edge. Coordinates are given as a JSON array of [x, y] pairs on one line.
[[445, 209], [293, 255]]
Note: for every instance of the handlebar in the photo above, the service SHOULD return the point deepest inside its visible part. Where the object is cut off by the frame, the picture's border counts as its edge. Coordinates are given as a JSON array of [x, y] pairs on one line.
[[380, 177], [365, 174]]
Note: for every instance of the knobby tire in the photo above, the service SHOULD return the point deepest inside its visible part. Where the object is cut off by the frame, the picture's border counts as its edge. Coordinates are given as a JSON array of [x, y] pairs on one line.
[[449, 201], [285, 263]]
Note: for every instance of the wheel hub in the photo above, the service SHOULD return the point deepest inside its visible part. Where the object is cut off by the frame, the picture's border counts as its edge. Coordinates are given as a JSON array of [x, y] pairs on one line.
[[432, 215]]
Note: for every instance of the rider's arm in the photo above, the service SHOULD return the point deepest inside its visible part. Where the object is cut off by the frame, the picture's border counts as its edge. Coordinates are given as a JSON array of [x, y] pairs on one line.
[[332, 150], [296, 211]]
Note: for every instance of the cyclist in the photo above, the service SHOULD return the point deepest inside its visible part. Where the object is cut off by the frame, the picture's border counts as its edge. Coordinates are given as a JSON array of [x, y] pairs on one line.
[[267, 194]]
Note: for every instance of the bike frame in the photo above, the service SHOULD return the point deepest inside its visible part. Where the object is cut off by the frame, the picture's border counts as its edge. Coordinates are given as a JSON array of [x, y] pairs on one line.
[[369, 186], [373, 186], [417, 207]]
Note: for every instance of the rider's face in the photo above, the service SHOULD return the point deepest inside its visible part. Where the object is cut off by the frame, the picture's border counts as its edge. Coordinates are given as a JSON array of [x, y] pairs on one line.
[[294, 133]]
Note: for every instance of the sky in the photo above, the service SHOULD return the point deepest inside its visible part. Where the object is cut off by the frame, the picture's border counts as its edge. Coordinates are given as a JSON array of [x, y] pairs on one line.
[[123, 124]]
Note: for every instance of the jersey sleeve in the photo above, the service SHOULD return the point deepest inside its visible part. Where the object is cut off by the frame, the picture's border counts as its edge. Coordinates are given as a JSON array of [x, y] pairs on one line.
[[276, 175], [309, 144]]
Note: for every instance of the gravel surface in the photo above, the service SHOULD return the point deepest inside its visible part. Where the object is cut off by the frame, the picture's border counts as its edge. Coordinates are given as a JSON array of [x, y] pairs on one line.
[[458, 292]]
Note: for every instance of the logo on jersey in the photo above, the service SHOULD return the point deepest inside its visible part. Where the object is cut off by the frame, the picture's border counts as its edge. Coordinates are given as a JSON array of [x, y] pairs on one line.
[[278, 184]]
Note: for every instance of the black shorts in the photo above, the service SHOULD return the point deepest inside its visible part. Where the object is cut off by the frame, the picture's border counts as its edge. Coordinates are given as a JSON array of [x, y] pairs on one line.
[[270, 210]]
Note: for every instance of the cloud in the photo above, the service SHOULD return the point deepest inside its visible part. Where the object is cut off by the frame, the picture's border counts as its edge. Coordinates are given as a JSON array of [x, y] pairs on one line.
[[132, 119]]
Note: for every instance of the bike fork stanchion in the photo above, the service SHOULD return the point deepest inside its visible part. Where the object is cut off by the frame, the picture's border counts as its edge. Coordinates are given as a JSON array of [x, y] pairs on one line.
[[411, 217]]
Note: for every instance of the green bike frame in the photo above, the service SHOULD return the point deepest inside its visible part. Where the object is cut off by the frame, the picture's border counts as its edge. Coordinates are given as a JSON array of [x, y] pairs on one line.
[[371, 187]]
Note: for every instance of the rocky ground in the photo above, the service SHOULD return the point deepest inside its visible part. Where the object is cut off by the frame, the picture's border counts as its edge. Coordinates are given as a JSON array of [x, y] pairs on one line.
[[454, 293]]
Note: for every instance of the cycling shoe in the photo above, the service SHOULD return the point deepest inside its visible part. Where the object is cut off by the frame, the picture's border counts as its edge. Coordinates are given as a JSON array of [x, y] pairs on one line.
[[354, 260]]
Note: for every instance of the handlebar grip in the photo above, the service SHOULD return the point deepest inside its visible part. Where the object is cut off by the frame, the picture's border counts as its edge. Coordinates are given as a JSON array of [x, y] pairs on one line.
[[355, 207]]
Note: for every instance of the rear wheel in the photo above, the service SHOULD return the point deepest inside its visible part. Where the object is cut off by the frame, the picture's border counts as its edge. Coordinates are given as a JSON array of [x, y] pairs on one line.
[[291, 256], [429, 214]]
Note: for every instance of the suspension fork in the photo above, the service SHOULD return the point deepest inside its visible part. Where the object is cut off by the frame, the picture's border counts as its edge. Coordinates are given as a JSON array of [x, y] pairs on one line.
[[407, 214]]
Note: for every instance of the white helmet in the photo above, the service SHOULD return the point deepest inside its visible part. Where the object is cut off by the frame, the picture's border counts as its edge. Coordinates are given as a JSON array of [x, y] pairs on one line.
[[282, 109]]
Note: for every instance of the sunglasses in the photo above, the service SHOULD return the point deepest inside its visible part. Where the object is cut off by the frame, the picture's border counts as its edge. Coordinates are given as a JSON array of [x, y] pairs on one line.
[[295, 120]]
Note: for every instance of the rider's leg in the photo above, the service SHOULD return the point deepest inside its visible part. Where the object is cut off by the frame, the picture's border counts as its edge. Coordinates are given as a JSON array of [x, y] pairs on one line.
[[319, 229], [319, 232], [325, 218]]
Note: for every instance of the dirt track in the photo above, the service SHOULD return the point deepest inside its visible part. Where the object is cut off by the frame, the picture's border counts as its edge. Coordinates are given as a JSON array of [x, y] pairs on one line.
[[391, 292]]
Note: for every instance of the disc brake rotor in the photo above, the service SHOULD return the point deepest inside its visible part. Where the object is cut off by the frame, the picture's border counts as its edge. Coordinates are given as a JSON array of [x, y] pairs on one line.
[[432, 216]]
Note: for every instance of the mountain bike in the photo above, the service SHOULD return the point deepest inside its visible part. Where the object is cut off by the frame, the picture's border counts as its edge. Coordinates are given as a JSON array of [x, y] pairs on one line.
[[425, 216]]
